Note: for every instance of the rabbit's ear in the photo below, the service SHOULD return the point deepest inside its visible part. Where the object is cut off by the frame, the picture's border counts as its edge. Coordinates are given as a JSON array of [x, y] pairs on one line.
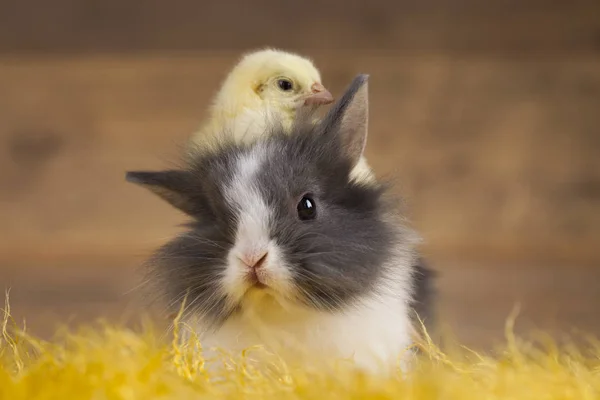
[[349, 119], [175, 187]]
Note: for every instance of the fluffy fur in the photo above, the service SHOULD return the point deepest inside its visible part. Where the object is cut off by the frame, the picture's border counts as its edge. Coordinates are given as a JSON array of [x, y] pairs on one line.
[[339, 285]]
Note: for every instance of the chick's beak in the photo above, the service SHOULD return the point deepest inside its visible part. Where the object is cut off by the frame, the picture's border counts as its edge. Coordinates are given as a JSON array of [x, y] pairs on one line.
[[319, 95]]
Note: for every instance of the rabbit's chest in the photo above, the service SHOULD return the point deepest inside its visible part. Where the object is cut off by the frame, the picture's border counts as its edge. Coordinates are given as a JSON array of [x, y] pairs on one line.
[[371, 338]]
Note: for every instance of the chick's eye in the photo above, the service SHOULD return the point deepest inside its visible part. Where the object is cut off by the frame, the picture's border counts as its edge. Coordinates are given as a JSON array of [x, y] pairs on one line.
[[285, 85], [307, 209]]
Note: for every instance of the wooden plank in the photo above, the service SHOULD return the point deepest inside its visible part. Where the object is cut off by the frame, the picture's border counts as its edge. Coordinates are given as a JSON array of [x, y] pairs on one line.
[[476, 300], [495, 26], [495, 155]]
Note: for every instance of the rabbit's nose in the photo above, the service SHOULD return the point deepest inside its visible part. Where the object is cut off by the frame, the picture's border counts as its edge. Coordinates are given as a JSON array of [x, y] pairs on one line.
[[254, 260]]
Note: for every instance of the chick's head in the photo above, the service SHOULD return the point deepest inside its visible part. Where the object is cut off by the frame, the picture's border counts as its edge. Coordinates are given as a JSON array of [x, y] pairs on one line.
[[275, 79]]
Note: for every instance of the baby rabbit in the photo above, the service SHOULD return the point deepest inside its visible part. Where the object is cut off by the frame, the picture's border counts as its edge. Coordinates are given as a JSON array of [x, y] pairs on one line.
[[285, 250]]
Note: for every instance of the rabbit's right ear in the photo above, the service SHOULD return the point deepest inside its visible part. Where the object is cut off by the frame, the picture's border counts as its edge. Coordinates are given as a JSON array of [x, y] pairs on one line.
[[349, 119], [175, 187]]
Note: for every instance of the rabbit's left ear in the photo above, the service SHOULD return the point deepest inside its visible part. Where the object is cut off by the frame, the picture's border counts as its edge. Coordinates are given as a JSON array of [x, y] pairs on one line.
[[175, 187], [349, 119]]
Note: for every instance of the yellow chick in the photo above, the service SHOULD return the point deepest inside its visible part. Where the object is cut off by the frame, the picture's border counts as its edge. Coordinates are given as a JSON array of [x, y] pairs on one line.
[[266, 85]]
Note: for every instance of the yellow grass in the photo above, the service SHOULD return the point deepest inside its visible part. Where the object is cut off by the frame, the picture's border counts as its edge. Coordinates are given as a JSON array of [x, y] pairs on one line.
[[107, 362]]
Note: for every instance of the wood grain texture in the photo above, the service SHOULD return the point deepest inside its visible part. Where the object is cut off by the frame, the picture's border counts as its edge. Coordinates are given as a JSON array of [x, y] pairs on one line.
[[495, 155], [459, 26]]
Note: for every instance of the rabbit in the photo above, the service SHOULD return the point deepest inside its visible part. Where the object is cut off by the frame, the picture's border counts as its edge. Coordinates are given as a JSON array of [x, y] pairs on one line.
[[286, 251]]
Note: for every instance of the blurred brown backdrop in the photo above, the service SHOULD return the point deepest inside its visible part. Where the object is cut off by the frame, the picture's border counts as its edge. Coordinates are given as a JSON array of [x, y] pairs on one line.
[[486, 113]]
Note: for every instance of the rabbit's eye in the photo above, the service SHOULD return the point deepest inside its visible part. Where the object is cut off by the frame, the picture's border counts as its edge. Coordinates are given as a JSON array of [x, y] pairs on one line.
[[307, 209], [285, 84]]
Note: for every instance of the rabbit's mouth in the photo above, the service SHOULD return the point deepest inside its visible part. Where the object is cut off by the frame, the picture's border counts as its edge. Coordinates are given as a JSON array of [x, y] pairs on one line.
[[255, 280]]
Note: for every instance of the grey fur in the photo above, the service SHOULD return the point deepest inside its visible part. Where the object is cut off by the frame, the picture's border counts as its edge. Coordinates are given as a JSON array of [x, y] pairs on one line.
[[336, 259], [424, 296]]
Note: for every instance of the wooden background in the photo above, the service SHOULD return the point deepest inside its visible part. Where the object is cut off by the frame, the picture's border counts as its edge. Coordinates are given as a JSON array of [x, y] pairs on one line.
[[487, 114]]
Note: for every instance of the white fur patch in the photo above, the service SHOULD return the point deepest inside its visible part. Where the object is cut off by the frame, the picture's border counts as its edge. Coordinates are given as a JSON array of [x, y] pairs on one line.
[[376, 335], [252, 236]]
